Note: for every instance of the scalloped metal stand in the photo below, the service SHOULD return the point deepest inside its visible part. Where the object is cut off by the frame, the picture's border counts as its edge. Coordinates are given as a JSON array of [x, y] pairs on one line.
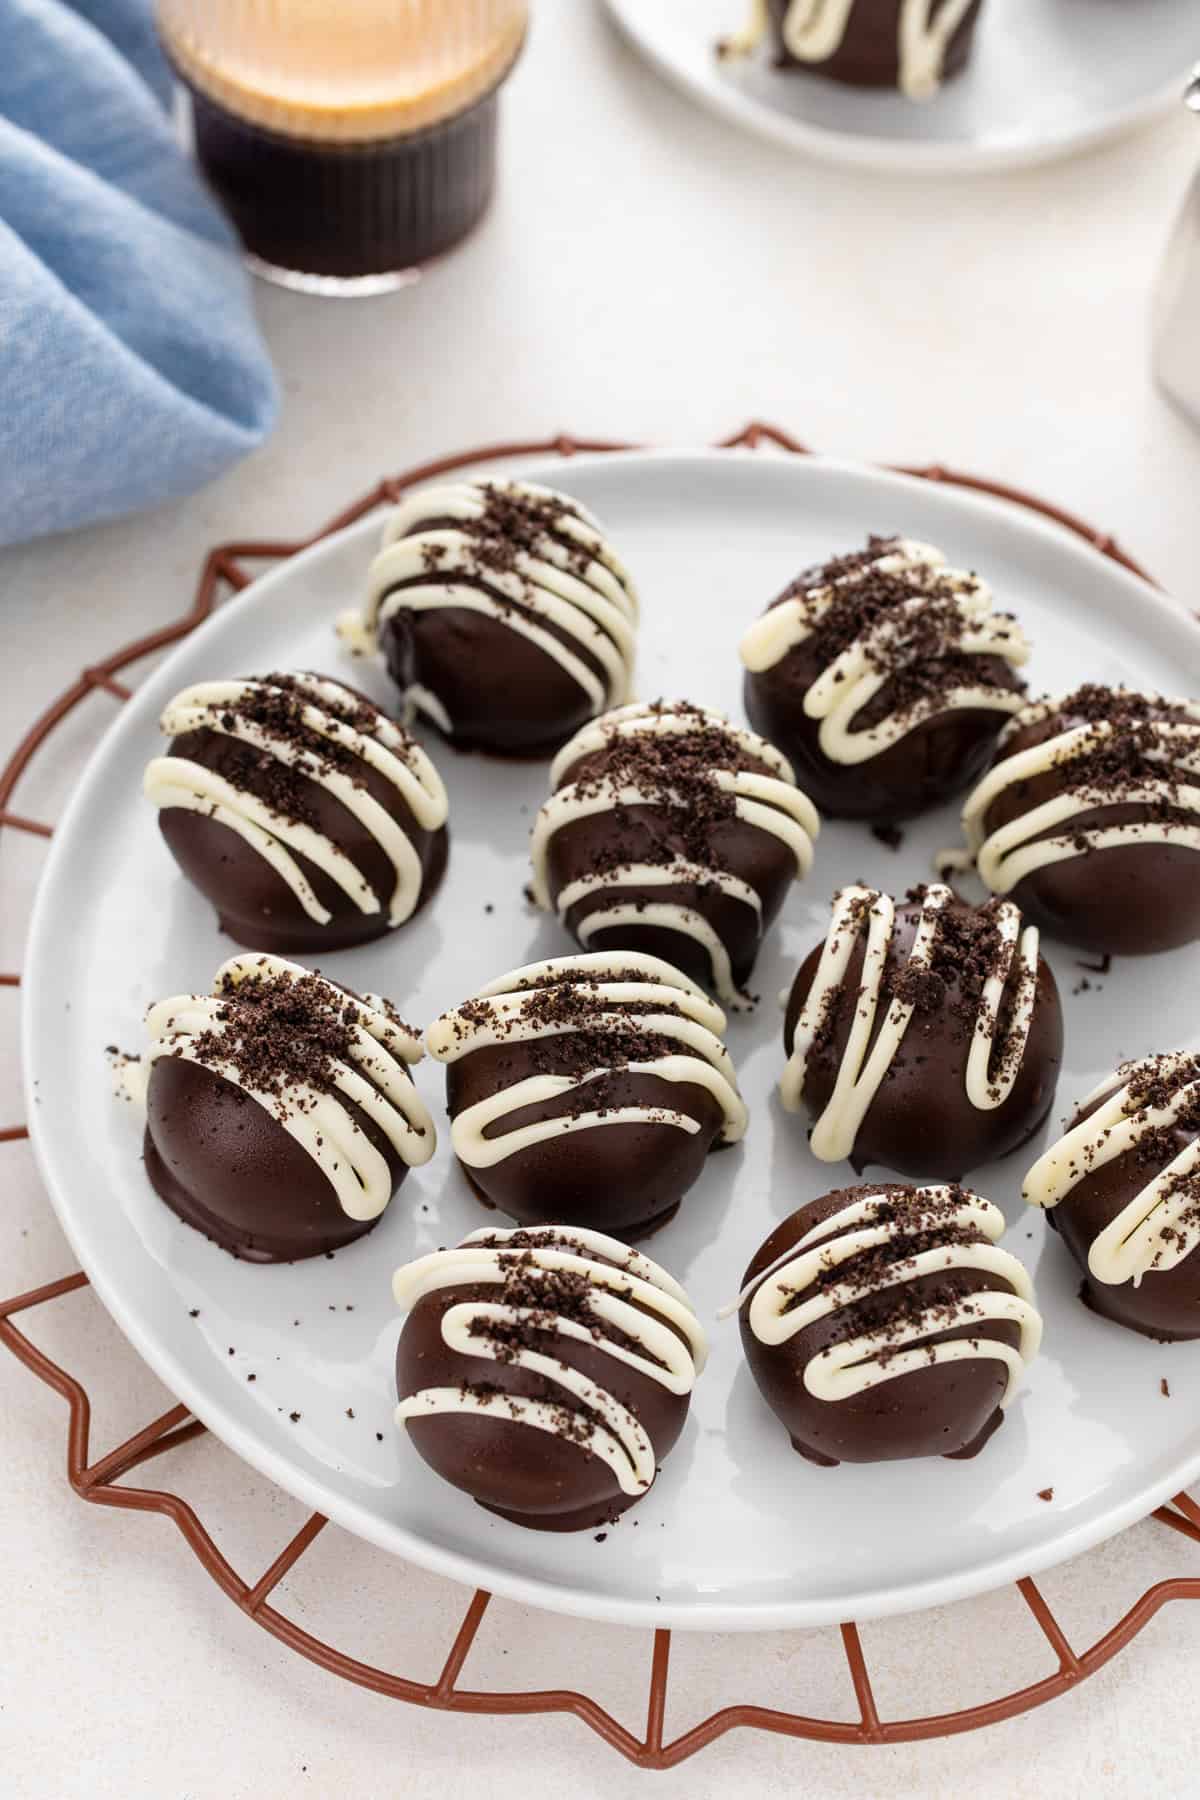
[[98, 1481]]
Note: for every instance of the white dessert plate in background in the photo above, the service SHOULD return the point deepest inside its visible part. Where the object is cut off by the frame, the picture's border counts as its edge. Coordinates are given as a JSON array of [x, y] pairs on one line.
[[738, 1532], [1047, 78]]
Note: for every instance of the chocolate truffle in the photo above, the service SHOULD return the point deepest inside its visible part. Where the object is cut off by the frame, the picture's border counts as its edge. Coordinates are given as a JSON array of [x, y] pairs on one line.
[[504, 614], [590, 1088], [280, 1114], [308, 818], [885, 677], [914, 45], [925, 1037], [1123, 1192], [1090, 819], [672, 832], [885, 1322], [546, 1372]]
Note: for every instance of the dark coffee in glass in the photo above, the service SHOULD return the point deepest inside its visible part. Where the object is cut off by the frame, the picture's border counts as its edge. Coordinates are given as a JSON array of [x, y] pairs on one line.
[[349, 143]]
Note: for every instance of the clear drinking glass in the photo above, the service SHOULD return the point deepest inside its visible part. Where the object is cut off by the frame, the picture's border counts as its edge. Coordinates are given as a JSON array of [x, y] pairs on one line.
[[351, 141]]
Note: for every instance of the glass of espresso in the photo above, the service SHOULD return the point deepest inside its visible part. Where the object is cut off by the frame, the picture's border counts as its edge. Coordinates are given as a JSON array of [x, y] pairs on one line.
[[351, 141]]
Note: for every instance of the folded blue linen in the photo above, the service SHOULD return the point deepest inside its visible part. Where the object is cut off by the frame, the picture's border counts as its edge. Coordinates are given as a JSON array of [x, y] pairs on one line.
[[131, 369]]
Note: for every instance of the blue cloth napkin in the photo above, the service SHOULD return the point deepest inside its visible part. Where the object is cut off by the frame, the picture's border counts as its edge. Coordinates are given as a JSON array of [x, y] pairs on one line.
[[131, 369]]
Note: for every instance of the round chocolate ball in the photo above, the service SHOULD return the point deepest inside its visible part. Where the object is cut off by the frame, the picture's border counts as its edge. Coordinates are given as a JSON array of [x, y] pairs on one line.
[[546, 1372], [923, 1036], [885, 1322], [671, 832], [876, 43], [1090, 819], [885, 677], [588, 1090], [1123, 1192], [307, 817], [251, 1133], [504, 614]]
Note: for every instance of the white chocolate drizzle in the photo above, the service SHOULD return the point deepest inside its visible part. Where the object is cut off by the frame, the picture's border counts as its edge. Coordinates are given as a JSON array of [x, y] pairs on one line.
[[659, 1336], [572, 581], [1007, 855], [991, 1068], [1160, 1225], [813, 31], [779, 1311], [610, 992], [179, 781], [375, 1079], [772, 803], [894, 642]]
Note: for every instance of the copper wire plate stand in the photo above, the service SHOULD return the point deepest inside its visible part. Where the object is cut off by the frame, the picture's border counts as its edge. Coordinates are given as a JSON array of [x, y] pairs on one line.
[[102, 1481]]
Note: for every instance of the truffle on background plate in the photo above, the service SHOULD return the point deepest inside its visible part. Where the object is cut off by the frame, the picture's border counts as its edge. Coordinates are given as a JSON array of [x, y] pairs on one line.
[[914, 45]]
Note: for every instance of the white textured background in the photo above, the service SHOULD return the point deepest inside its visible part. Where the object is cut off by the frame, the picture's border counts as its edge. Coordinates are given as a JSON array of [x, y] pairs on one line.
[[647, 274]]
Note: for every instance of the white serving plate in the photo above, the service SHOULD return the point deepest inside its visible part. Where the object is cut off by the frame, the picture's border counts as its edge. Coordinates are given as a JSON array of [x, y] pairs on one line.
[[1047, 78], [738, 1532]]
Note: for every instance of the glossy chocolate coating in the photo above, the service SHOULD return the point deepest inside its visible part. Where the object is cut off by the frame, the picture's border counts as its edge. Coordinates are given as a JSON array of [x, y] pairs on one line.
[[946, 1409], [254, 905], [921, 1121], [1123, 900], [547, 640], [868, 55], [501, 692], [928, 765], [647, 833], [626, 1180], [225, 1165], [528, 1476], [1166, 1302]]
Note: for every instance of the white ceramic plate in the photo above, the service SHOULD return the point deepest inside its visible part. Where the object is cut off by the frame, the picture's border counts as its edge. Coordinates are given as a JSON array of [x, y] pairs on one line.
[[738, 1532], [1047, 78]]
